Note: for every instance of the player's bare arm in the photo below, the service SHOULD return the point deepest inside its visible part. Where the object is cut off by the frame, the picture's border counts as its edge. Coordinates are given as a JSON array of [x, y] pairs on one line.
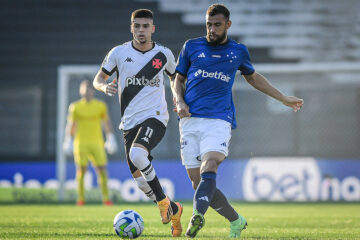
[[70, 131], [259, 82], [172, 87], [101, 84], [72, 128], [108, 126], [178, 91]]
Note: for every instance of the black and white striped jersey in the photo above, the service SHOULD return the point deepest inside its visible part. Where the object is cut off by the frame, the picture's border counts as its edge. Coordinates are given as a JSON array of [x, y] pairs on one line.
[[140, 78]]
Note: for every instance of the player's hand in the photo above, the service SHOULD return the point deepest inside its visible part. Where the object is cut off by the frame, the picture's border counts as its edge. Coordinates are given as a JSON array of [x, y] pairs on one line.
[[68, 146], [182, 109], [111, 144], [111, 88], [293, 102]]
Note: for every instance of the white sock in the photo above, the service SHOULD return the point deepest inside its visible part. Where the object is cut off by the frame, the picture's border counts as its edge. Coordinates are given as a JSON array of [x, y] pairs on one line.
[[144, 186], [148, 173]]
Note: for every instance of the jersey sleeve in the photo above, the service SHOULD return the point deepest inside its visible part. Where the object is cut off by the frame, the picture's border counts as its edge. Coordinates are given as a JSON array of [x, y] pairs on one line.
[[183, 61], [246, 68], [71, 113], [171, 65], [109, 64]]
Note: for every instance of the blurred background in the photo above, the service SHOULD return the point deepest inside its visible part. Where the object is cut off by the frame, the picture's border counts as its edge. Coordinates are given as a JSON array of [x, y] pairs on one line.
[[309, 49]]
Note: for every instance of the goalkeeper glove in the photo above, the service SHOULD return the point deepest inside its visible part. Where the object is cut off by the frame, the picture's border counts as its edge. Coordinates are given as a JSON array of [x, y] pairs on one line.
[[68, 145], [111, 144]]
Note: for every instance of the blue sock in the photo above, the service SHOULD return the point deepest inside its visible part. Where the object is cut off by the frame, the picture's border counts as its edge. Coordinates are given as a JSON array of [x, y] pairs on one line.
[[220, 204], [205, 192]]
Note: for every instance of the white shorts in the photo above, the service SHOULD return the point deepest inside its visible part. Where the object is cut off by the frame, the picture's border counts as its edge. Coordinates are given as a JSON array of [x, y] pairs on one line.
[[201, 135]]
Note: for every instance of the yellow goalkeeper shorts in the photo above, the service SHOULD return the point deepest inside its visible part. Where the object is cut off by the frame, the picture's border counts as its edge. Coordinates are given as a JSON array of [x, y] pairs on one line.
[[95, 152]]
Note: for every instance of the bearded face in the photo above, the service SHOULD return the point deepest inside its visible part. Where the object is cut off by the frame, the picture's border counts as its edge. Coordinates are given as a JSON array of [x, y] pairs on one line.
[[216, 29]]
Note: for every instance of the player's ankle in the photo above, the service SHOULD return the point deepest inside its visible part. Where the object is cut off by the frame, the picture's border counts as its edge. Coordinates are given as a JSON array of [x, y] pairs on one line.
[[174, 207]]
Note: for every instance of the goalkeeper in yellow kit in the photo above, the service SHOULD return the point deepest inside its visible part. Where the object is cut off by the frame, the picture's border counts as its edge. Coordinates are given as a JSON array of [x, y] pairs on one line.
[[84, 137]]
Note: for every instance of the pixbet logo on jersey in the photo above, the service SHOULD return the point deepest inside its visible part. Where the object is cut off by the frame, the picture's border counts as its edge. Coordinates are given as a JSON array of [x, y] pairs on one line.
[[216, 75], [134, 81]]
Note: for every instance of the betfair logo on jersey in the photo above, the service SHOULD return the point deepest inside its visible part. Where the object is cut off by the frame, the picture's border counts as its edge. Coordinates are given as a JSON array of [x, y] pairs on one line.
[[134, 81], [216, 75]]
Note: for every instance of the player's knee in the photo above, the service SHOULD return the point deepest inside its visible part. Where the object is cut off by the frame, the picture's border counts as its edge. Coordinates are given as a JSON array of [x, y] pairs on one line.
[[81, 171], [139, 157], [100, 169]]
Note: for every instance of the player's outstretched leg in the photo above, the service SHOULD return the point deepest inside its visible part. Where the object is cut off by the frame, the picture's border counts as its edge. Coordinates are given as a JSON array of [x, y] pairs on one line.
[[144, 186], [202, 199], [221, 205], [139, 158]]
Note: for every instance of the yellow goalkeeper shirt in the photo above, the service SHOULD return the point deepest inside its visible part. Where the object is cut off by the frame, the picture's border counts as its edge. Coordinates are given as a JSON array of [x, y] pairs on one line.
[[88, 117]]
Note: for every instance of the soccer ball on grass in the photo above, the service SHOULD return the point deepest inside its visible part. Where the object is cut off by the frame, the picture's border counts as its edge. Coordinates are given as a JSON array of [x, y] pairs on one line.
[[128, 224]]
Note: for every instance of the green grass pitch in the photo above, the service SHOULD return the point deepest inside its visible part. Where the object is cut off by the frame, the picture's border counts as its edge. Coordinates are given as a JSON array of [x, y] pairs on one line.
[[266, 221]]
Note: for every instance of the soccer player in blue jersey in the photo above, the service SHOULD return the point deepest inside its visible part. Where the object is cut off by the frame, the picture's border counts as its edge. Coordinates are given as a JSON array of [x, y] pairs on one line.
[[207, 113]]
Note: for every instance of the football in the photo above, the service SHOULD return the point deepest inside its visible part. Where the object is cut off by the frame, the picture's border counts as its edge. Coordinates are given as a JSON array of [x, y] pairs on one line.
[[128, 224]]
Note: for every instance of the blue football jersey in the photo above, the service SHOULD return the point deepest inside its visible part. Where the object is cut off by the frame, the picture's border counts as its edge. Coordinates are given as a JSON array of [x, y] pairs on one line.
[[210, 72]]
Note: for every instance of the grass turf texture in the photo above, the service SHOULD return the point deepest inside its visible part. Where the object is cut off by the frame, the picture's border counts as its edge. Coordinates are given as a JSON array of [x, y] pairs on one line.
[[266, 221]]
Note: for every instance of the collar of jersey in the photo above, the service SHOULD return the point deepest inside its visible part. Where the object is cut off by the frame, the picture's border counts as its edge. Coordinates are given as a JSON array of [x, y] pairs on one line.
[[223, 44], [84, 100], [132, 44]]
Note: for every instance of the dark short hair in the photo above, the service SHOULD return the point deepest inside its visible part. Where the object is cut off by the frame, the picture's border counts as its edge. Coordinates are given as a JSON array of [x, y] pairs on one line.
[[218, 9], [142, 13]]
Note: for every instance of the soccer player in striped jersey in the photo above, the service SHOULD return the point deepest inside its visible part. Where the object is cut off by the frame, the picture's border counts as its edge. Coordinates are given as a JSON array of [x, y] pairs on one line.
[[207, 113], [140, 65], [84, 125]]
